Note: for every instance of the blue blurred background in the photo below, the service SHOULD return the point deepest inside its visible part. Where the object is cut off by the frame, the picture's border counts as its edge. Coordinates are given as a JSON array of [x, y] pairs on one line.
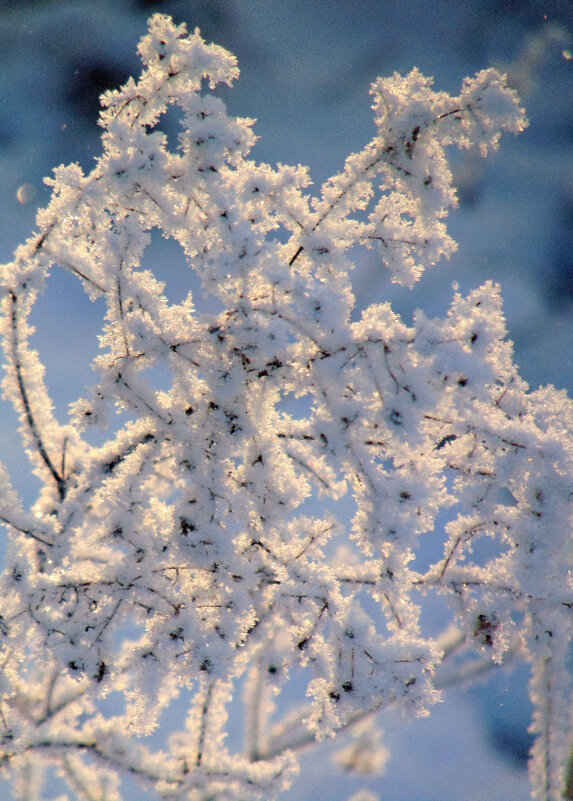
[[306, 67]]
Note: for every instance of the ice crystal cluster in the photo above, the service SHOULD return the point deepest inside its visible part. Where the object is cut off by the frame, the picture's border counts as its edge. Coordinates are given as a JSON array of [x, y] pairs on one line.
[[253, 520]]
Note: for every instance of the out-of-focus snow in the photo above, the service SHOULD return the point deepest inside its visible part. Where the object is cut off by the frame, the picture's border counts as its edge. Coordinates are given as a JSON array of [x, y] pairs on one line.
[[305, 74], [444, 757]]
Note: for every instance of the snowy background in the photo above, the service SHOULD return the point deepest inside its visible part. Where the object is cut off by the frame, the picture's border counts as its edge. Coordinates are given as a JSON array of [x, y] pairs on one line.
[[306, 67]]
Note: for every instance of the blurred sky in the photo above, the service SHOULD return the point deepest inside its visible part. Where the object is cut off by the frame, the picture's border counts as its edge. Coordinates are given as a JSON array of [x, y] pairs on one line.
[[306, 67]]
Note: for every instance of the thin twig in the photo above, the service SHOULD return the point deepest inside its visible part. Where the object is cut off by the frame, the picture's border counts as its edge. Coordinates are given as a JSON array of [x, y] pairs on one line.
[[60, 483]]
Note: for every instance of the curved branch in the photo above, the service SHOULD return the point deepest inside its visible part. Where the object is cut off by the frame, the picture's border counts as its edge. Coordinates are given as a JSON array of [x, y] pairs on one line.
[[60, 481]]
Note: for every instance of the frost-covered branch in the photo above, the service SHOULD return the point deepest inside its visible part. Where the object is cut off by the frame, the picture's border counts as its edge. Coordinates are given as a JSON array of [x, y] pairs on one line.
[[254, 514]]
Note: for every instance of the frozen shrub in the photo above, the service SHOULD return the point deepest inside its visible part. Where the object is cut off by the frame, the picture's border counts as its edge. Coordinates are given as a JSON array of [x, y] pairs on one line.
[[225, 534]]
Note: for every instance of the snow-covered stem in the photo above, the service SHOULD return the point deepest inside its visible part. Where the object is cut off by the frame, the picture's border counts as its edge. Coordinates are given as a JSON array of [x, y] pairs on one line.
[[246, 509]]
